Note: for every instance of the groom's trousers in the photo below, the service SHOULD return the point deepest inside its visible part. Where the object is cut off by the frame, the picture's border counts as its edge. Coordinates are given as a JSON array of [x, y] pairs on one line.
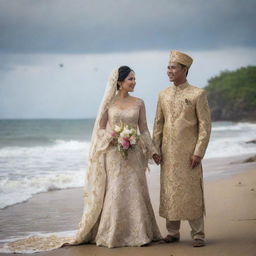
[[197, 228]]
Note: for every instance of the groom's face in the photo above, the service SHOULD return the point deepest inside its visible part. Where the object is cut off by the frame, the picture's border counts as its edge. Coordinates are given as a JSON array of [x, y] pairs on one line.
[[175, 72]]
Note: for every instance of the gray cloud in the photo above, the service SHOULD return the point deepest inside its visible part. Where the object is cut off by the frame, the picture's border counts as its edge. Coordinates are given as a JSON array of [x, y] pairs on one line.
[[86, 26], [5, 67]]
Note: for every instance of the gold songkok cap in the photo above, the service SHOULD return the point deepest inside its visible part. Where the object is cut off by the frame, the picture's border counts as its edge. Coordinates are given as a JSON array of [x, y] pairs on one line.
[[180, 57]]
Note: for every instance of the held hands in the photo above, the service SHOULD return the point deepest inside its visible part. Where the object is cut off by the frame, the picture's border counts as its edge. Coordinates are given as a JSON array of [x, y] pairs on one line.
[[157, 159], [194, 161]]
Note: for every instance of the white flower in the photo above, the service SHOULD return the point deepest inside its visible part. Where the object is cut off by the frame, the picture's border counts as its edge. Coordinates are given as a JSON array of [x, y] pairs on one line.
[[117, 128], [120, 140], [133, 140], [125, 133], [133, 131]]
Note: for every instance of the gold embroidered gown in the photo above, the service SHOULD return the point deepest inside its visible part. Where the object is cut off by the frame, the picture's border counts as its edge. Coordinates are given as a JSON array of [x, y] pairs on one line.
[[127, 217]]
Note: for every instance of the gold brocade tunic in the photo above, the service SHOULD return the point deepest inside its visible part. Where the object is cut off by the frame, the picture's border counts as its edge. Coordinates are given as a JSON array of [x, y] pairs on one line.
[[182, 128]]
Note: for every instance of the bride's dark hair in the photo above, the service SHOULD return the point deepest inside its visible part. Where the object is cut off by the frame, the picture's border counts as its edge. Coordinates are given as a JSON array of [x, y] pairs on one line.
[[123, 72]]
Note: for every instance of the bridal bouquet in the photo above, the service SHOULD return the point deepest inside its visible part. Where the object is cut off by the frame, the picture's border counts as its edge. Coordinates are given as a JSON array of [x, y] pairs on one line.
[[126, 138]]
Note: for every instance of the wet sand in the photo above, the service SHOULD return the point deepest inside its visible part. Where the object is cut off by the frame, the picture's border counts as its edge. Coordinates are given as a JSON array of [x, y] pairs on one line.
[[230, 223]]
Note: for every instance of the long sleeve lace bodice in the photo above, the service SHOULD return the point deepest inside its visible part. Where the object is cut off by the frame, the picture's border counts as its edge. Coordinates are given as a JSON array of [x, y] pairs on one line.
[[132, 113]]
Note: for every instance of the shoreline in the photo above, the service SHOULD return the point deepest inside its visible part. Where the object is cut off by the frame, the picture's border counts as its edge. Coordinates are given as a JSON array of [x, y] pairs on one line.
[[235, 185], [213, 169]]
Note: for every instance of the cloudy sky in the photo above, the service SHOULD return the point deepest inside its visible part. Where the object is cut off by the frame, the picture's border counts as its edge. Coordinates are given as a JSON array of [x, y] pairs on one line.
[[56, 55]]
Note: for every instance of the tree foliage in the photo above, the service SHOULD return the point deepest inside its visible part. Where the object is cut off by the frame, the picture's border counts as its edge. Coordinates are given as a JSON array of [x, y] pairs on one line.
[[232, 94]]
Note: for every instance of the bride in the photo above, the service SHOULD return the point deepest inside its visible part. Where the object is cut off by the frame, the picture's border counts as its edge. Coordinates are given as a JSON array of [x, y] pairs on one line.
[[117, 208]]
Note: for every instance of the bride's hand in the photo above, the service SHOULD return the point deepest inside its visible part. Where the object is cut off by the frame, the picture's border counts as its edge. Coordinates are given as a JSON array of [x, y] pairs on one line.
[[113, 142]]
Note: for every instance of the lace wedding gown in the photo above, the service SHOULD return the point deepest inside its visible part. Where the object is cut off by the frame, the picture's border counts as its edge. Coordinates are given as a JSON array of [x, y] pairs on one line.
[[126, 216]]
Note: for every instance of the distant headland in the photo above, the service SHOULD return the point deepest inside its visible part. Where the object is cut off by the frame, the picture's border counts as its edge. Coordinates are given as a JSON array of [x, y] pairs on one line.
[[232, 95]]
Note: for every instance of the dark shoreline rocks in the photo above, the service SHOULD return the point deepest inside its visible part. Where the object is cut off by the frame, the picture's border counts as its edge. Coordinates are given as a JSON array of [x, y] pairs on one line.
[[250, 159]]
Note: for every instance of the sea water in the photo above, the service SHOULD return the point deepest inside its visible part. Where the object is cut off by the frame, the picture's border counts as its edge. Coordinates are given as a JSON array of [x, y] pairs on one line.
[[43, 155]]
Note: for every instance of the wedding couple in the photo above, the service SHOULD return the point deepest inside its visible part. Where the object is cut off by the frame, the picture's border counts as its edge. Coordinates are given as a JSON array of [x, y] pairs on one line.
[[118, 211], [117, 208]]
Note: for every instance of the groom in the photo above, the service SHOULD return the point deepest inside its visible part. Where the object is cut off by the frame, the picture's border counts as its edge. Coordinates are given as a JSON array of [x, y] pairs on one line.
[[181, 133]]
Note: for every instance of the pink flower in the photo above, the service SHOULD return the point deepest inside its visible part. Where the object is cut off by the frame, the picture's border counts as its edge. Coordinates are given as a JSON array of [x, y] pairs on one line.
[[114, 134], [126, 139], [126, 144]]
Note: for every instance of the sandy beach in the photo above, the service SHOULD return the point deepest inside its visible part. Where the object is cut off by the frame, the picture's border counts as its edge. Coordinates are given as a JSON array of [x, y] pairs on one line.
[[230, 223]]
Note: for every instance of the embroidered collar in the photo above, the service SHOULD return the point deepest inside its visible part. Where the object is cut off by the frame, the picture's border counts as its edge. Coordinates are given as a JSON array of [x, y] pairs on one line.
[[181, 86]]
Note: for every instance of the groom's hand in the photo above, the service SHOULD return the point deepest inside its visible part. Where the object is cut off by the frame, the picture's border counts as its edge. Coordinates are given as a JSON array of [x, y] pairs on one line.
[[157, 159], [194, 161]]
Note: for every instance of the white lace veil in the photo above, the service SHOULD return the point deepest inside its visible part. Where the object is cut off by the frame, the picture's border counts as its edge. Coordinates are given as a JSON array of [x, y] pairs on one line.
[[109, 94], [95, 183]]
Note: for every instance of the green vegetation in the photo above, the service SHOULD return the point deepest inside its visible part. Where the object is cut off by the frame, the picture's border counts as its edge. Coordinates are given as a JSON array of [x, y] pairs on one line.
[[232, 95]]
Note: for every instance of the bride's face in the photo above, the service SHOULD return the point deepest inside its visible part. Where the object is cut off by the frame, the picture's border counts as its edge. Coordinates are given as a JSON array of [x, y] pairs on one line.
[[129, 82]]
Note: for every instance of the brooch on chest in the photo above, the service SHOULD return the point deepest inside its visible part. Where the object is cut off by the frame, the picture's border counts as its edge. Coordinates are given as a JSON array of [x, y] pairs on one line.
[[188, 102]]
